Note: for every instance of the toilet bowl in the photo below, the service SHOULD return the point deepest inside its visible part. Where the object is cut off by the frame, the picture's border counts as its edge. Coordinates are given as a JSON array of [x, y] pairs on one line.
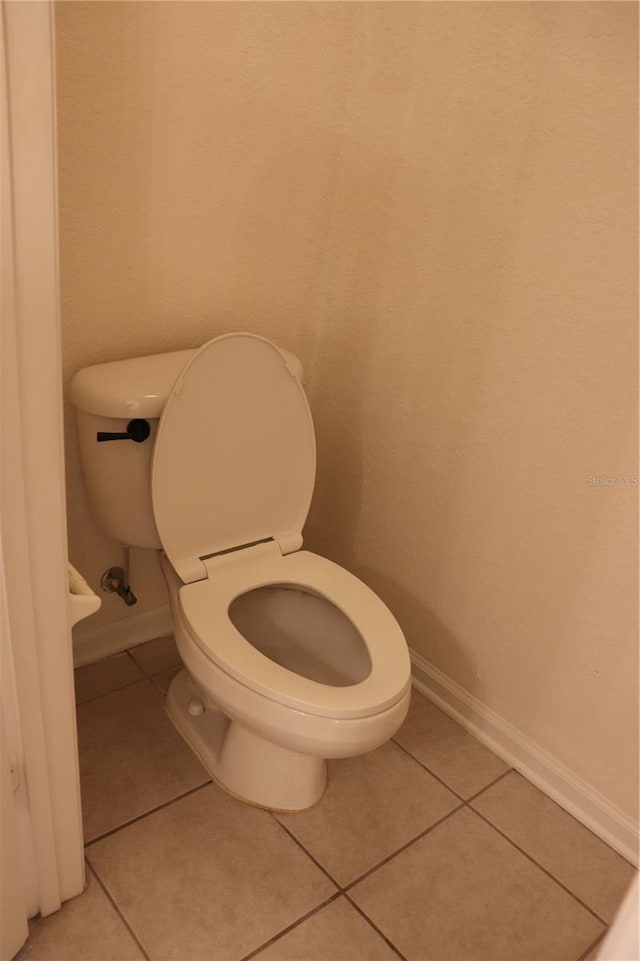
[[294, 703], [289, 660]]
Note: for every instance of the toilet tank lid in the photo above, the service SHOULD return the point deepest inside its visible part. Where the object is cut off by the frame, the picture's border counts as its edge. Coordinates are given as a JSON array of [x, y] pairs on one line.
[[136, 387]]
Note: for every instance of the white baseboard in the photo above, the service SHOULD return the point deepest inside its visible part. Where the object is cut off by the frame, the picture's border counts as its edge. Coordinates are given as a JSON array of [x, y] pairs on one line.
[[561, 784], [93, 643]]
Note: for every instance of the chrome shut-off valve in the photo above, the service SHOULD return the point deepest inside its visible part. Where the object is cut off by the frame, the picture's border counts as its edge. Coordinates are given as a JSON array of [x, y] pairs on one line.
[[115, 580]]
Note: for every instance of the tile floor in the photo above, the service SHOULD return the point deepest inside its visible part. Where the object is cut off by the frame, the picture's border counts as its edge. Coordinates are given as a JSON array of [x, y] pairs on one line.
[[428, 849]]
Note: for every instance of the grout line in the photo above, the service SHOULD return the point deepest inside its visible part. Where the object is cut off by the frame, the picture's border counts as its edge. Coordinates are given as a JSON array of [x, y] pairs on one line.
[[162, 670], [117, 910], [281, 934], [592, 946], [540, 866], [487, 786], [375, 927], [308, 853], [122, 687], [154, 679], [428, 770], [146, 673], [404, 847], [140, 817]]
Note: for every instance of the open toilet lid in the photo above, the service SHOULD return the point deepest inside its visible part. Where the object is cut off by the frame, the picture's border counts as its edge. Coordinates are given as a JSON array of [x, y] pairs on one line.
[[234, 458]]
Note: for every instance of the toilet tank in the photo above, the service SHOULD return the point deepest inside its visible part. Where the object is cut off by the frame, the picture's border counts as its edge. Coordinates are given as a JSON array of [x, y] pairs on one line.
[[117, 473]]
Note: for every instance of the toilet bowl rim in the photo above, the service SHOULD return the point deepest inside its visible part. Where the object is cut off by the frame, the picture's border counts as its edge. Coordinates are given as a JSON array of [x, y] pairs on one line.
[[204, 610]]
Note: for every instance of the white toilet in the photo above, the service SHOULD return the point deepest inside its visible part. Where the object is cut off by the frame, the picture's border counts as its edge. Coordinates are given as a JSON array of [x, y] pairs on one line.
[[289, 659]]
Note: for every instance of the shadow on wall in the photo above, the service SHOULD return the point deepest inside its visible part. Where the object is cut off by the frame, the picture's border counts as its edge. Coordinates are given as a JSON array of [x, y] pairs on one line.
[[334, 518], [416, 258], [452, 394], [423, 628]]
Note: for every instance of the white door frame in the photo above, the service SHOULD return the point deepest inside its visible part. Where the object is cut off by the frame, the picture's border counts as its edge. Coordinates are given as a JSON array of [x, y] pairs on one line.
[[32, 486]]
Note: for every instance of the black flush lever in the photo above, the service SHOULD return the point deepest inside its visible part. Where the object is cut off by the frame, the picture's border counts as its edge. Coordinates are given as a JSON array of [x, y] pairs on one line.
[[137, 430]]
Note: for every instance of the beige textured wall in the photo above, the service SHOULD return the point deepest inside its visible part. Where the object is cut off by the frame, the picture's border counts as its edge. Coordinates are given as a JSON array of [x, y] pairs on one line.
[[433, 204], [199, 144]]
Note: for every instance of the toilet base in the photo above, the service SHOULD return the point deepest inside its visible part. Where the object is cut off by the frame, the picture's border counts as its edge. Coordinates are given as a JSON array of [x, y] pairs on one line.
[[243, 763]]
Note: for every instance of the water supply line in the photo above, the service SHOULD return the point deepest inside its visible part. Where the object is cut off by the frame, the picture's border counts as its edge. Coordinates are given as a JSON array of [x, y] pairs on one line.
[[116, 581]]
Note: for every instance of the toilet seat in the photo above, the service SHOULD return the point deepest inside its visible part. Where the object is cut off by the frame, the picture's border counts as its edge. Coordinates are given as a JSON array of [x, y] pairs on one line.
[[232, 478], [205, 609], [234, 459]]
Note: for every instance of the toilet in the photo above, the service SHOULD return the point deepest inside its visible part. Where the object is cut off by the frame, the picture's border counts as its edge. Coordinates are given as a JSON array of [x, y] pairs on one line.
[[208, 457]]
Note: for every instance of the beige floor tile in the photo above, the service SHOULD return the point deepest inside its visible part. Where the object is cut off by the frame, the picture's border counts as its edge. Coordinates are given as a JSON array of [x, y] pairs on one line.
[[207, 878], [131, 757], [88, 928], [105, 676], [156, 656], [464, 893], [164, 679], [553, 838], [465, 765], [374, 804], [335, 933]]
